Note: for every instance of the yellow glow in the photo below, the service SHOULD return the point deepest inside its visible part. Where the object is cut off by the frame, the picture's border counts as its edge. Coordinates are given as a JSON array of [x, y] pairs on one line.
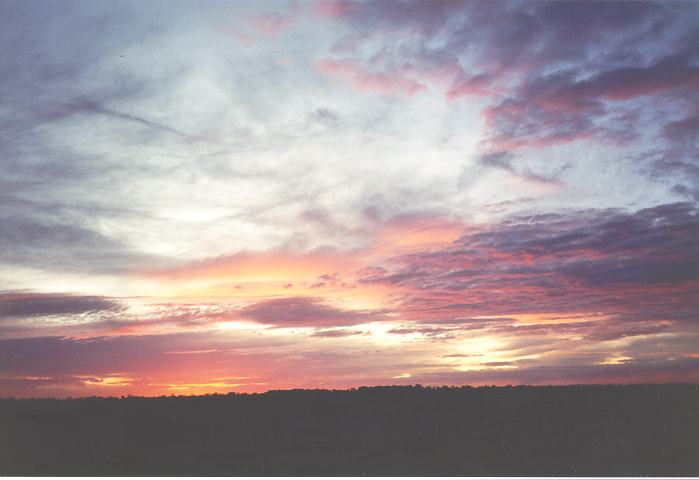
[[546, 318], [110, 381], [205, 387], [238, 325], [378, 333], [616, 360]]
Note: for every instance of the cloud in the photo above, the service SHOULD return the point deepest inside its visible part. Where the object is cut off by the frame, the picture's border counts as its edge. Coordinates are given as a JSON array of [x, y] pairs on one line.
[[270, 24], [551, 73], [503, 161], [275, 265], [82, 317], [505, 37], [132, 354], [635, 266], [663, 371], [50, 244], [335, 8], [390, 83], [41, 304], [672, 72], [336, 333], [428, 331], [678, 160], [325, 116], [86, 106], [558, 108], [685, 130], [146, 154], [305, 312]]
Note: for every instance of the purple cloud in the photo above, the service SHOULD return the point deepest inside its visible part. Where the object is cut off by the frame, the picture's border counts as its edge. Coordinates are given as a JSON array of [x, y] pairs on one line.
[[41, 304], [636, 267], [305, 312]]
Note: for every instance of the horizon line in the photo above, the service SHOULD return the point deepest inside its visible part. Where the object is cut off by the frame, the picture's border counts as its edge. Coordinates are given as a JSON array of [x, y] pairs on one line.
[[356, 389]]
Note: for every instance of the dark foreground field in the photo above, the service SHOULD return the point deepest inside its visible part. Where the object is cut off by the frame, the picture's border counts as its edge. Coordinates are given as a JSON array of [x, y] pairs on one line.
[[580, 430]]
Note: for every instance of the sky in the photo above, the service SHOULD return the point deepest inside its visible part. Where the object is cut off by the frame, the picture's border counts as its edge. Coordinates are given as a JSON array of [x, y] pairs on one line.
[[221, 196]]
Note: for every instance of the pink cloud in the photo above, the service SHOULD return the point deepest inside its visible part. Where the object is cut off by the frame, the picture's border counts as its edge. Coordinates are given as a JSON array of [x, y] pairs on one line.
[[478, 85], [392, 83], [264, 25], [270, 24], [335, 8], [626, 266]]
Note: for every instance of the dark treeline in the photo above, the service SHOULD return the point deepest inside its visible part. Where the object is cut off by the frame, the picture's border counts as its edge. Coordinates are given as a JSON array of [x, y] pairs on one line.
[[575, 430]]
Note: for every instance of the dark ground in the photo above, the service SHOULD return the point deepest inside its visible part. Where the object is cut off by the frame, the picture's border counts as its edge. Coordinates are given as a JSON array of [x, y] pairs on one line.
[[580, 430]]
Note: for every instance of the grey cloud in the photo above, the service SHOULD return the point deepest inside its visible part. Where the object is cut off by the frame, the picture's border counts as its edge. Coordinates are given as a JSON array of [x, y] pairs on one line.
[[54, 245], [305, 312], [336, 333], [504, 161], [18, 304]]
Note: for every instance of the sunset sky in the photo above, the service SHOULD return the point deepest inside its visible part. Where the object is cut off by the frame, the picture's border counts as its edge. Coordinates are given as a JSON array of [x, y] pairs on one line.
[[236, 197]]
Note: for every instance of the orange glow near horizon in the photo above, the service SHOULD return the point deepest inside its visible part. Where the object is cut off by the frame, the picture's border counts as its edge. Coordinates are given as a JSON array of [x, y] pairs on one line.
[[423, 303]]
